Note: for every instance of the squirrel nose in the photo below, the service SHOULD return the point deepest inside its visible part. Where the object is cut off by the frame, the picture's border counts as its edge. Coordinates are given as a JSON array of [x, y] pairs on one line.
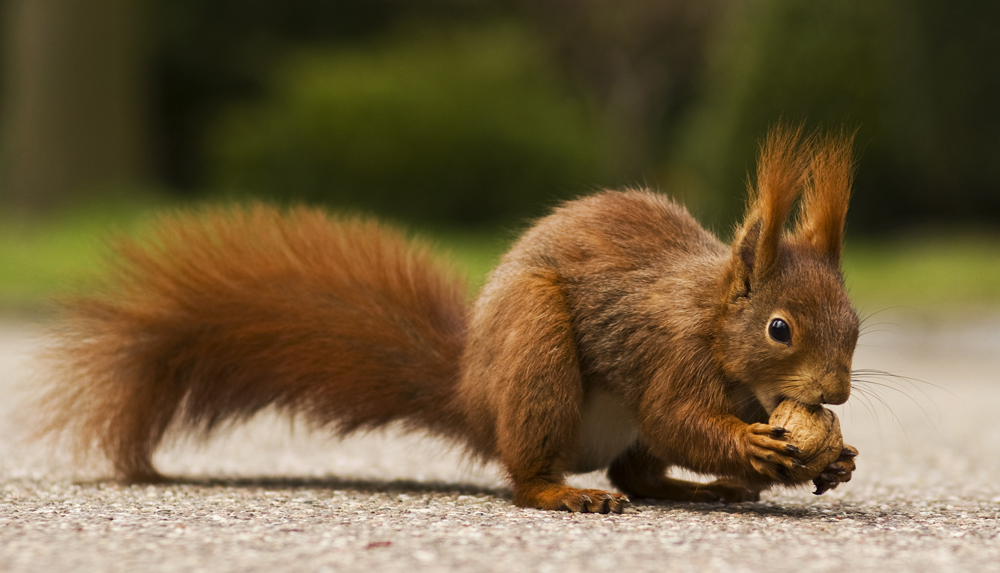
[[837, 398], [836, 389], [835, 386]]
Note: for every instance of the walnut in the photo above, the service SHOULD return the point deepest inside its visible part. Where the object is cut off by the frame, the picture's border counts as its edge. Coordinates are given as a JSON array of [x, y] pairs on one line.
[[814, 430]]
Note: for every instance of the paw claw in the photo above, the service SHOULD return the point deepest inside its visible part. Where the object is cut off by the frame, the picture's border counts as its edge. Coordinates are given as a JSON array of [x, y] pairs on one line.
[[560, 497], [770, 455], [824, 483], [821, 487]]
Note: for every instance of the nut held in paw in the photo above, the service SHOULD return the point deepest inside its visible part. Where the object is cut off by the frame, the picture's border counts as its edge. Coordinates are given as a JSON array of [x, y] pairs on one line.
[[814, 430]]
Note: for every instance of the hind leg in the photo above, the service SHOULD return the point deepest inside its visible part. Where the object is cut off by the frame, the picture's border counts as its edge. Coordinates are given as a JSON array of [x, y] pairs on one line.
[[641, 475], [536, 389]]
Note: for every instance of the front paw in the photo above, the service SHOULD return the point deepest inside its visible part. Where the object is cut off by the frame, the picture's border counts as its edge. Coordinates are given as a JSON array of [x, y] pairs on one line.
[[770, 454], [838, 472]]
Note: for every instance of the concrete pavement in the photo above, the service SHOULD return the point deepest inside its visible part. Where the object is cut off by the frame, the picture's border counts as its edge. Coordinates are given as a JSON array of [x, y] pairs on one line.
[[269, 496]]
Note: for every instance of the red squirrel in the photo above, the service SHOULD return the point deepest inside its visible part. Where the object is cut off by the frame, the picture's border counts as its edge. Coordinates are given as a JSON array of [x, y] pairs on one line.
[[616, 333]]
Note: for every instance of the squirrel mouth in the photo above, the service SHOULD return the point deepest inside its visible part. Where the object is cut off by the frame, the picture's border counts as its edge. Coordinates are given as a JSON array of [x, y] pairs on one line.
[[779, 398], [771, 401]]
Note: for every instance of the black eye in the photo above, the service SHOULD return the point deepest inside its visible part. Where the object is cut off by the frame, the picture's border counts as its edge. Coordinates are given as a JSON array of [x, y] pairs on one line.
[[780, 331]]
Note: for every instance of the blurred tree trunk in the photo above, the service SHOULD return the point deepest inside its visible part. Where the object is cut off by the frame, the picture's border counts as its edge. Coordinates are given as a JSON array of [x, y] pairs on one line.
[[72, 119], [636, 59]]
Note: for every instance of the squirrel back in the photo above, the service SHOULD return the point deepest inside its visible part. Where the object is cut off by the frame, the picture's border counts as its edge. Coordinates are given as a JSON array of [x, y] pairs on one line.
[[220, 314]]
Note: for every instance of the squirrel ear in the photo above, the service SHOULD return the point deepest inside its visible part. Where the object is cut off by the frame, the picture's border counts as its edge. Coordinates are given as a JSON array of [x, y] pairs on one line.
[[827, 194], [780, 168], [745, 247]]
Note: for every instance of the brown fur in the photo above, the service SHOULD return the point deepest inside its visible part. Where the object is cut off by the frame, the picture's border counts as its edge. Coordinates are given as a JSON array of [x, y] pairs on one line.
[[616, 333], [219, 315]]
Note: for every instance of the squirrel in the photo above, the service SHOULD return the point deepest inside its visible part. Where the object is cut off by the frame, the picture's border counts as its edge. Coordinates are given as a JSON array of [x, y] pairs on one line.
[[616, 333]]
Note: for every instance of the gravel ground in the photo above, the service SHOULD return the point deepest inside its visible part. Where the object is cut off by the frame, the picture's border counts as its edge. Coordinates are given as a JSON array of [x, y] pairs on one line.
[[271, 497]]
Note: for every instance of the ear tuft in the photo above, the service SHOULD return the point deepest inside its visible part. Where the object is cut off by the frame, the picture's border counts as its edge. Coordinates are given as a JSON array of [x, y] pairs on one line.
[[827, 194], [781, 169]]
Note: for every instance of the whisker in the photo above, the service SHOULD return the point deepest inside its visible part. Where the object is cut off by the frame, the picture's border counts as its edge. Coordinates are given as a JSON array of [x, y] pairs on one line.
[[909, 379], [890, 380], [869, 329], [866, 401], [896, 384], [900, 391], [745, 401], [867, 316], [874, 395]]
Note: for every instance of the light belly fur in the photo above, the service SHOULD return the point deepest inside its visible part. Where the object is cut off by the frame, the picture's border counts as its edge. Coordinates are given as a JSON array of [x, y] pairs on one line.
[[608, 428]]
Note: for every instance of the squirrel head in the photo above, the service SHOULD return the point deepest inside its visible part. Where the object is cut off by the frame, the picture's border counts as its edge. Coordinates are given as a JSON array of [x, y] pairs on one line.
[[787, 328]]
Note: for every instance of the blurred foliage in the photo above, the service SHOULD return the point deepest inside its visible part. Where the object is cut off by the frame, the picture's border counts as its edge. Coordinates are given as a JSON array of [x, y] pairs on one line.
[[461, 126], [915, 77], [680, 91], [206, 55], [470, 111], [634, 61]]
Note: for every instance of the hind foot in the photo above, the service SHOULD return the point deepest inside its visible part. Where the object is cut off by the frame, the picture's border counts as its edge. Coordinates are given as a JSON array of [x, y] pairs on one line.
[[556, 497]]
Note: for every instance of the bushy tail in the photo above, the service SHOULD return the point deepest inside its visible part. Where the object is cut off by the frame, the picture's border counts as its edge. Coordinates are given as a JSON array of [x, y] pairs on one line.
[[222, 313]]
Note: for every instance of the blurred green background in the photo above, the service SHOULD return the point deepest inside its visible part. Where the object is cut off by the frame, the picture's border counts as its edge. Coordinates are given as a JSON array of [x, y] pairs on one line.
[[464, 119]]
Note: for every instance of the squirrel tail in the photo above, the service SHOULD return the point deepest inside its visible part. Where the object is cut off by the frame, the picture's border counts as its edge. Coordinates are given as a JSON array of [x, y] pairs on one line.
[[222, 313]]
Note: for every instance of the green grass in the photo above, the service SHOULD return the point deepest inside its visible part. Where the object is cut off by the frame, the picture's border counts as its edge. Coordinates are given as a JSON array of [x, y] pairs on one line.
[[474, 252], [934, 272], [42, 258]]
